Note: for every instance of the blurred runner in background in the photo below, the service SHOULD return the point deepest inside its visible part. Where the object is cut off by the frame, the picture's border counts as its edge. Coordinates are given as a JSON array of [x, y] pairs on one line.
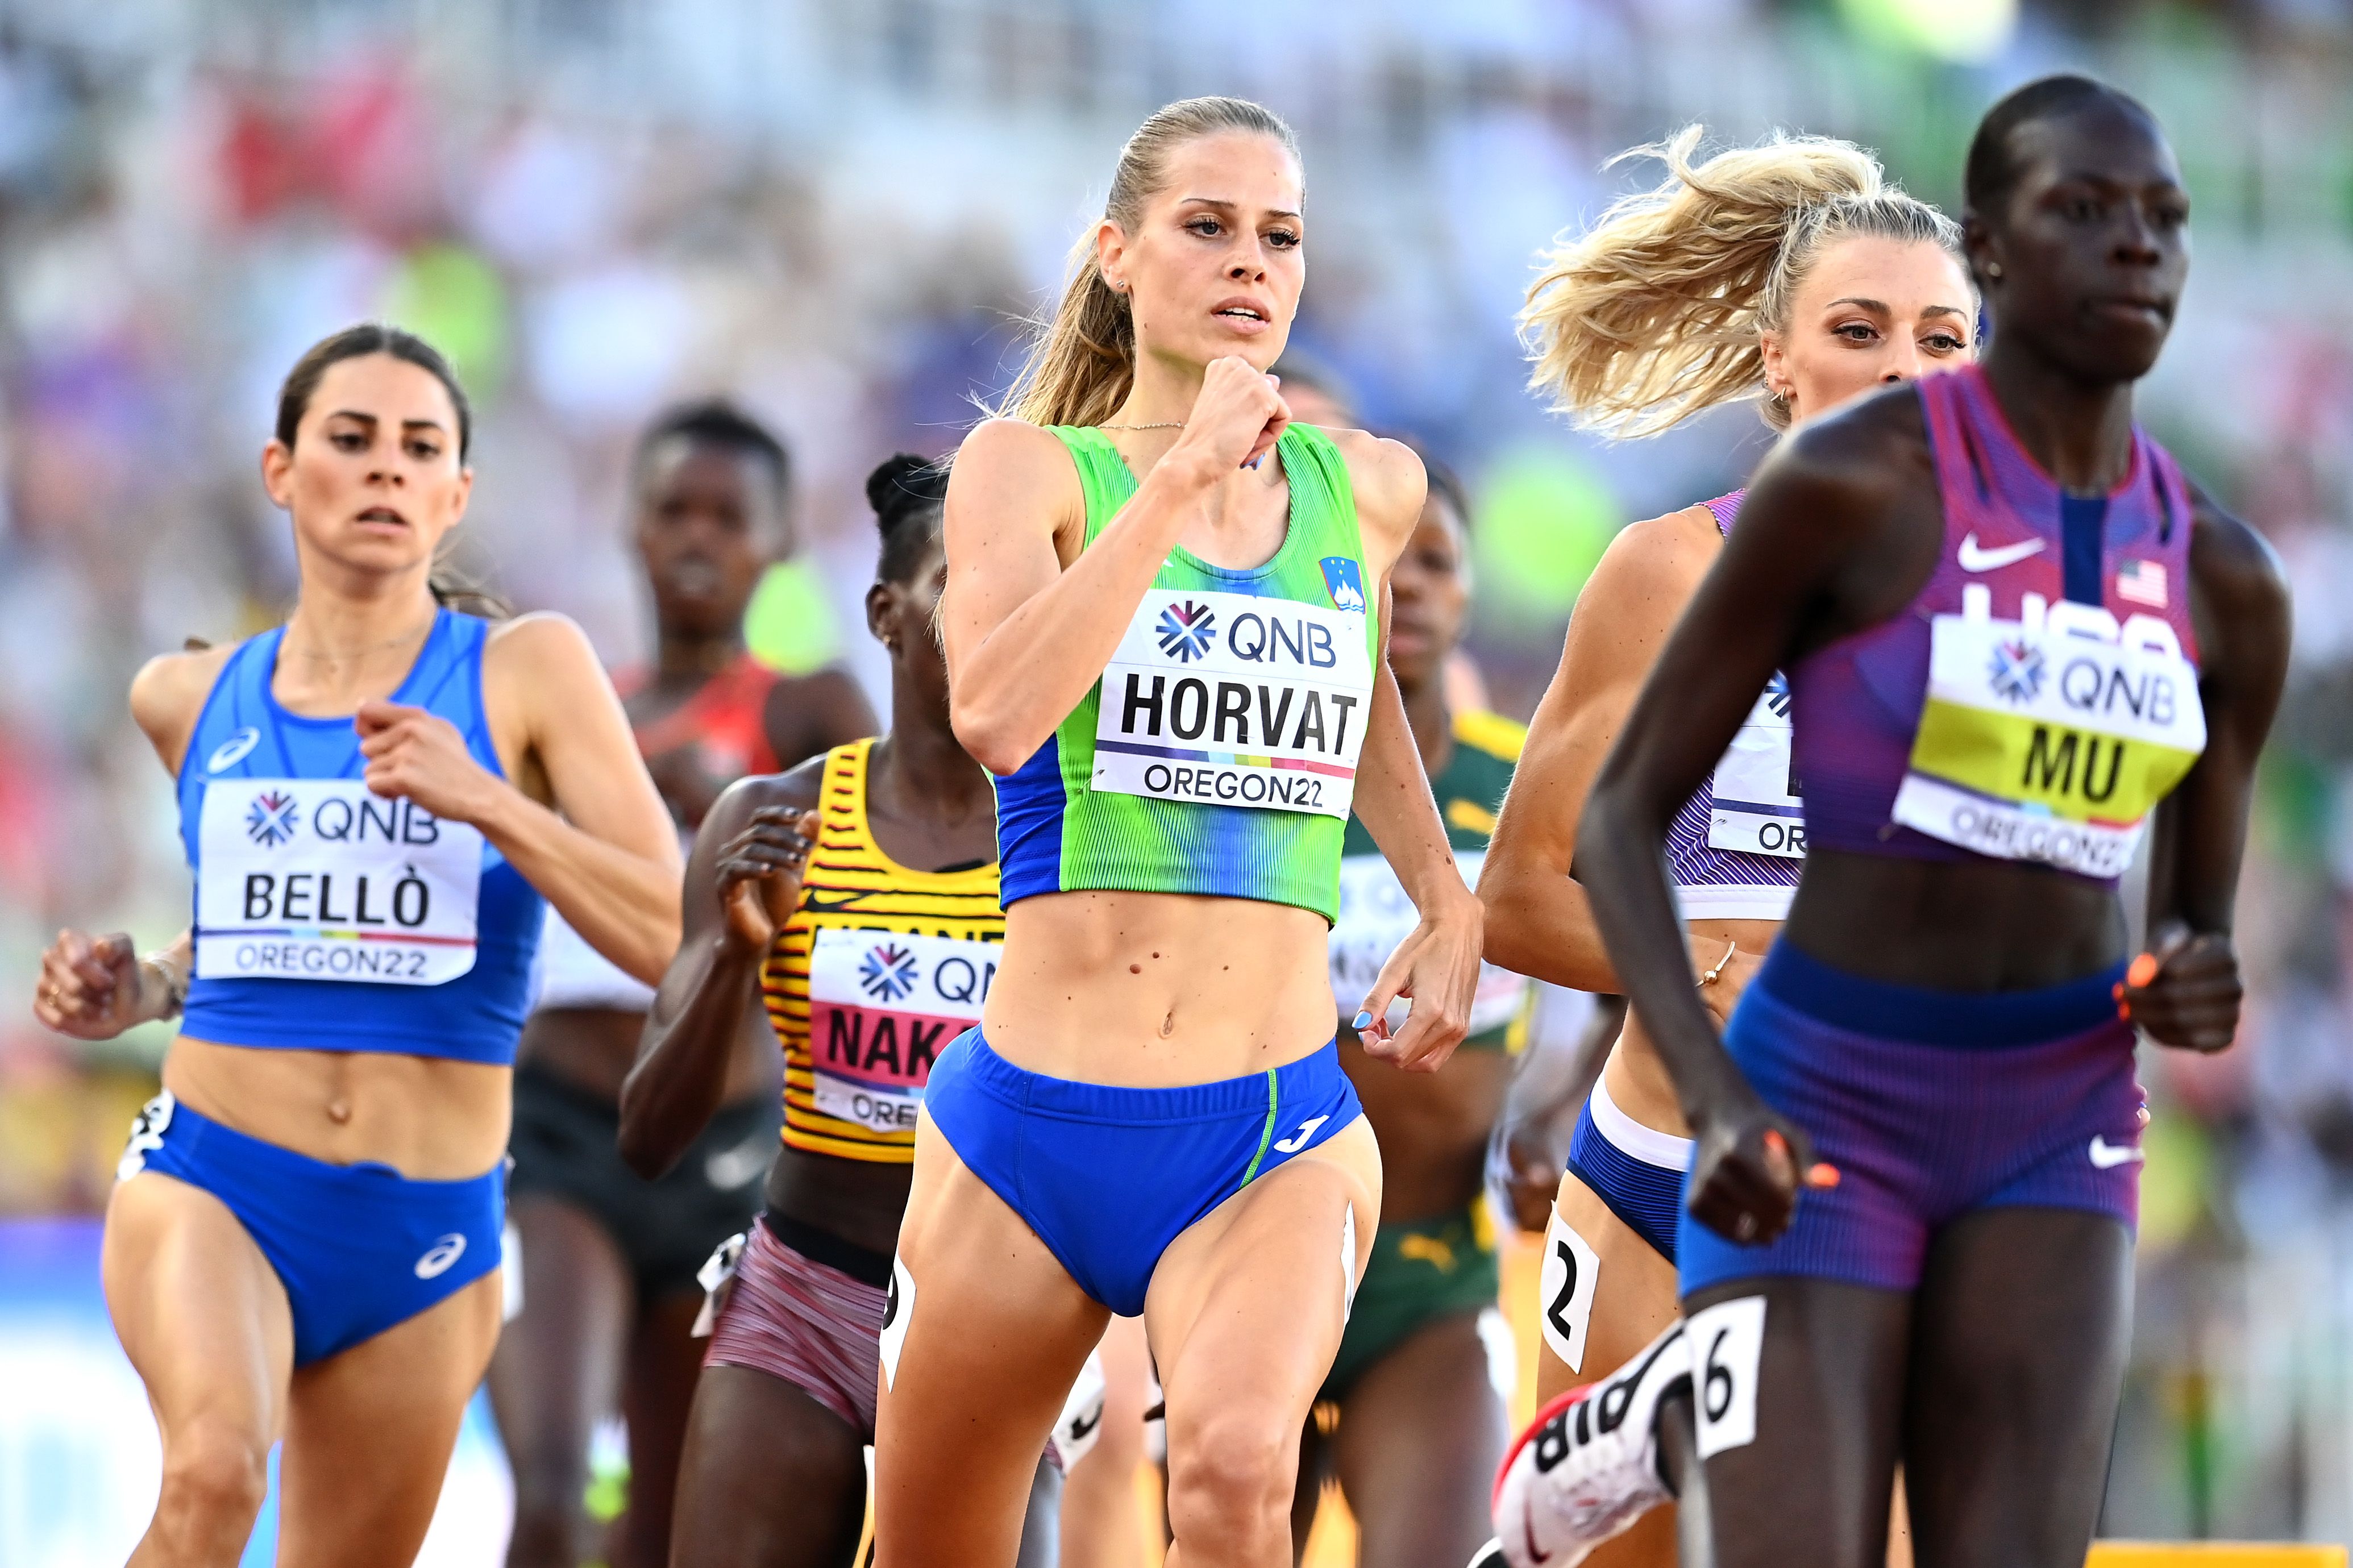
[[608, 1258]]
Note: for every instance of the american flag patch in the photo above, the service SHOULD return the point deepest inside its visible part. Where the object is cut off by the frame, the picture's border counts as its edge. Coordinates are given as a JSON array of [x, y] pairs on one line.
[[2142, 582]]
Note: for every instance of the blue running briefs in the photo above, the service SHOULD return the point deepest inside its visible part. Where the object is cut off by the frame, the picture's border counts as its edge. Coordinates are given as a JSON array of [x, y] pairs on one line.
[[1637, 1172], [359, 1248], [1107, 1176]]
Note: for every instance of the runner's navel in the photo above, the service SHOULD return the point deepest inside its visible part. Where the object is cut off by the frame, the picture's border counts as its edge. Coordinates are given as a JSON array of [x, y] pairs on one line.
[[339, 1110]]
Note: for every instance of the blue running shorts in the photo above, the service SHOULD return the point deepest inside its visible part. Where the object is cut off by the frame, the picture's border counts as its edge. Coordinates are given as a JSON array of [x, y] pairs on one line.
[[1107, 1176], [358, 1247]]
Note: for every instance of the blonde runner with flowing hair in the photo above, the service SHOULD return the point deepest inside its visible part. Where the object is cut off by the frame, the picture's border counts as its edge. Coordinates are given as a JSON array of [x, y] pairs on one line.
[[1667, 306], [1794, 274]]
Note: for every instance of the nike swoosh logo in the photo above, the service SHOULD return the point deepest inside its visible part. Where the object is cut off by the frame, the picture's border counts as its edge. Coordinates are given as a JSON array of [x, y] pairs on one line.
[[1082, 1425], [1973, 559], [2107, 1156]]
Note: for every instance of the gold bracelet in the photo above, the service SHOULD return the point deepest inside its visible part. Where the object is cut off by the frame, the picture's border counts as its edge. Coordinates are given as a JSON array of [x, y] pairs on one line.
[[1711, 976], [175, 985]]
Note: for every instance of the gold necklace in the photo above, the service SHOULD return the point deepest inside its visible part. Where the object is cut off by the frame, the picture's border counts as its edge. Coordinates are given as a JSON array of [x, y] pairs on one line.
[[1166, 425]]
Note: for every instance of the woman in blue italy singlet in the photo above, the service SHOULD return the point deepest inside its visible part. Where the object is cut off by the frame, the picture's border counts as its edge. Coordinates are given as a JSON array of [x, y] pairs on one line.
[[1162, 623], [2021, 646], [1792, 274], [376, 798]]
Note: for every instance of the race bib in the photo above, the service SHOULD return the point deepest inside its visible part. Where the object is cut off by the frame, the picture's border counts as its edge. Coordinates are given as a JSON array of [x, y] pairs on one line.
[[2049, 738], [1375, 915], [882, 1006], [1757, 809], [320, 880], [1230, 699]]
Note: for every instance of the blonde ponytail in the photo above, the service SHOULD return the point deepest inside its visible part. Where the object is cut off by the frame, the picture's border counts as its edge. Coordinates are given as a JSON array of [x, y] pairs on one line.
[[1653, 315], [1083, 362]]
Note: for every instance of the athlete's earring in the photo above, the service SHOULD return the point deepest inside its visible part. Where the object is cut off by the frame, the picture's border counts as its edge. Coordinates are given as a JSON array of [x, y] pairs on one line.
[[1993, 269]]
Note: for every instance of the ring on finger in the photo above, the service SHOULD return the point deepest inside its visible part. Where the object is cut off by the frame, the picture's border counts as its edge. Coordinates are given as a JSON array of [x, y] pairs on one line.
[[1745, 1227]]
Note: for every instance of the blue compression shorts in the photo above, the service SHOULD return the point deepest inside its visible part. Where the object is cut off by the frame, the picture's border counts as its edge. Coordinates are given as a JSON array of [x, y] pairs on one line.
[[358, 1247], [1933, 1105], [1107, 1176]]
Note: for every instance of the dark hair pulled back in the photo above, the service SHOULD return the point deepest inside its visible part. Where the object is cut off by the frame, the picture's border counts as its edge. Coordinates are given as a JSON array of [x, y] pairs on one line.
[[906, 492], [449, 586], [1993, 168], [716, 422]]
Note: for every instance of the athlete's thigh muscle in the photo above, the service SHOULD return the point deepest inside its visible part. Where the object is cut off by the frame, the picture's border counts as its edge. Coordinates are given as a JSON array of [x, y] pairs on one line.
[[1634, 1300], [1421, 1435], [988, 1339], [202, 1316], [1245, 1313], [557, 1370], [1103, 1527], [369, 1432], [1633, 1293], [770, 1478], [2021, 1326], [1812, 1486], [665, 1359]]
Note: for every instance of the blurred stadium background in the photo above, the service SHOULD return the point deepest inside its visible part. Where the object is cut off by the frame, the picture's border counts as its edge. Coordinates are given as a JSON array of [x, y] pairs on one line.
[[837, 214]]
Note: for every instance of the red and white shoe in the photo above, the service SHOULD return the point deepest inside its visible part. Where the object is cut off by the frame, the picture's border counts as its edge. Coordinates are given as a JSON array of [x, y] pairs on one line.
[[1587, 1466]]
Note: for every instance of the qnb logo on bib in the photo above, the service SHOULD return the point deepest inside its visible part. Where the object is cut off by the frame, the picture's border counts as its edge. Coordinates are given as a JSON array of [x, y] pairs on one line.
[[273, 820], [1758, 809], [2049, 738], [320, 880], [882, 1006], [1186, 630], [887, 972], [1230, 699]]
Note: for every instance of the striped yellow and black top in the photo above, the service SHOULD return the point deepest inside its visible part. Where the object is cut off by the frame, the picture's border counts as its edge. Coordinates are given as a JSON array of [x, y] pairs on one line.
[[868, 983]]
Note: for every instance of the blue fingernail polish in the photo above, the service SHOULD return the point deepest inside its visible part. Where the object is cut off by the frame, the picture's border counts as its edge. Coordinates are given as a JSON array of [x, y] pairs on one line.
[[1364, 1021]]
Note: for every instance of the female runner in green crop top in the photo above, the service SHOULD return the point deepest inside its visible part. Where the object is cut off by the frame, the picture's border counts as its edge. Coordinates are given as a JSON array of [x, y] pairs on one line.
[[1173, 954]]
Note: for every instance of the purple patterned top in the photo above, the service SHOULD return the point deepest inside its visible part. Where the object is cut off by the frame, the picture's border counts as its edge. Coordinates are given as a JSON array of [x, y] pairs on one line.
[[1858, 700], [1737, 846]]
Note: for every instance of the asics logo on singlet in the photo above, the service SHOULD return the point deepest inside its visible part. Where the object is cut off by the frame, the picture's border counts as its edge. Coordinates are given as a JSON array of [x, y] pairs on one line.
[[273, 820], [2017, 670], [887, 972], [2107, 1156], [231, 752], [1186, 630], [1974, 559], [444, 1253]]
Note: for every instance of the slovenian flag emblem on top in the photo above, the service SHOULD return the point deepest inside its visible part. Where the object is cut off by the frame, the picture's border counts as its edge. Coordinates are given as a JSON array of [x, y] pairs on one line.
[[1346, 584]]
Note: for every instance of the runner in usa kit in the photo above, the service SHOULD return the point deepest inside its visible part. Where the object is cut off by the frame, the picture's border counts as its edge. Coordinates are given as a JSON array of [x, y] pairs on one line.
[[1842, 285], [2021, 643]]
